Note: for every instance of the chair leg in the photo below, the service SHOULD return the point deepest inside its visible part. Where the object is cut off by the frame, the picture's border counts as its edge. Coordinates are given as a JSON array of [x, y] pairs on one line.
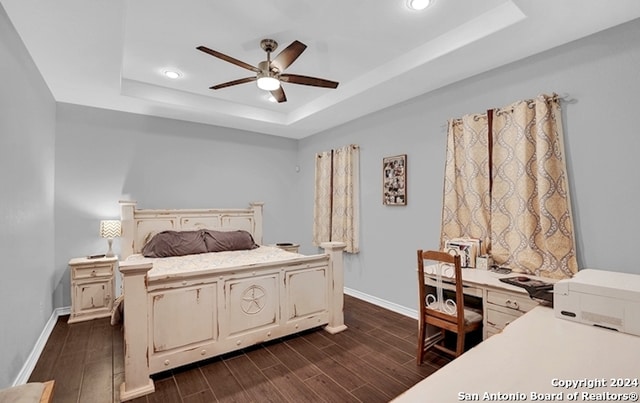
[[421, 335], [460, 344]]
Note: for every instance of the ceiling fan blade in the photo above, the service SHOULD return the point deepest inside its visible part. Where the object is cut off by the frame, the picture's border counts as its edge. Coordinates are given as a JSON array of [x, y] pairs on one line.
[[279, 95], [288, 55], [228, 58], [234, 82], [305, 80]]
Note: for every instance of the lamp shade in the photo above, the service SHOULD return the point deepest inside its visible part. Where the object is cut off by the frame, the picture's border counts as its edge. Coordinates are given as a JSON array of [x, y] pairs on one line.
[[110, 228]]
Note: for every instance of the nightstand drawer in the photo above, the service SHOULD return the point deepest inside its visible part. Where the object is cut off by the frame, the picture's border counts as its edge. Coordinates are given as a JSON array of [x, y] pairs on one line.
[[96, 270], [517, 303]]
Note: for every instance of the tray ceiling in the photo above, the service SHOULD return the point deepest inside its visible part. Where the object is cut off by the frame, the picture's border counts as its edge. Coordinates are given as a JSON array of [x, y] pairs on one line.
[[112, 54]]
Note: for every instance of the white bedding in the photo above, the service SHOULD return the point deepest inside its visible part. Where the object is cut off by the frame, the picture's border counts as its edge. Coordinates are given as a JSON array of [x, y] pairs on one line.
[[206, 262]]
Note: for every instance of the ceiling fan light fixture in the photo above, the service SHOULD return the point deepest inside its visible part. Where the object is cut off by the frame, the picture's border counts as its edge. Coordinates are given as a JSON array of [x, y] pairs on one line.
[[268, 83], [418, 4]]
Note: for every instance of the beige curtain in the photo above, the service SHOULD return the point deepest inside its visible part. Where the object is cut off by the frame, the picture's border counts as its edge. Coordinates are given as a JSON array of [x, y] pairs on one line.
[[466, 208], [336, 209], [322, 198], [529, 223]]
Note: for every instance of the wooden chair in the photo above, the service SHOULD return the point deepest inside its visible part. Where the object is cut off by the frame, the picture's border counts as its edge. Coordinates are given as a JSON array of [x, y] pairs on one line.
[[443, 314]]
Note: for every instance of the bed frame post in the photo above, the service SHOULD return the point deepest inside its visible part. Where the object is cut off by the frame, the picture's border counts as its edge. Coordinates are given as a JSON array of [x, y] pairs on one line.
[[136, 364], [127, 209], [257, 226], [336, 296]]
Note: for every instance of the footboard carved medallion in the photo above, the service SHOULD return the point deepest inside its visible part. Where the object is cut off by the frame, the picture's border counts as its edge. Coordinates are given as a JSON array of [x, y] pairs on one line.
[[253, 299]]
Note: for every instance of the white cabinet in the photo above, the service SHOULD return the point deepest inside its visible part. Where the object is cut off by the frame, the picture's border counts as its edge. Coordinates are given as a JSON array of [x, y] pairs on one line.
[[92, 287]]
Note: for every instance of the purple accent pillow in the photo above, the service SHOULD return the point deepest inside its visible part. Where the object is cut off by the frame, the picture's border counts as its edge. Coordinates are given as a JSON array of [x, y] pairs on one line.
[[220, 241], [175, 243]]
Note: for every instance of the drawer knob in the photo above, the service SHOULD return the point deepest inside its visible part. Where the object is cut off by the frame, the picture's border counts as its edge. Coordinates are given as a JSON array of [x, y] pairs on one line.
[[93, 273], [203, 352], [512, 304], [166, 362]]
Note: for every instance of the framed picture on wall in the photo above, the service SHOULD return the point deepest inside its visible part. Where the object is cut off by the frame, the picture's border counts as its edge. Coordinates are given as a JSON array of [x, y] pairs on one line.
[[394, 180]]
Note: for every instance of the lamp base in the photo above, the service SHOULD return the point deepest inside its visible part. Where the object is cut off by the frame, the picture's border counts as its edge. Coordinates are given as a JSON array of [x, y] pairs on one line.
[[110, 251]]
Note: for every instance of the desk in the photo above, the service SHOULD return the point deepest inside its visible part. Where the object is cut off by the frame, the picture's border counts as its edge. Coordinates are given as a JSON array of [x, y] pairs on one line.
[[536, 352], [502, 303]]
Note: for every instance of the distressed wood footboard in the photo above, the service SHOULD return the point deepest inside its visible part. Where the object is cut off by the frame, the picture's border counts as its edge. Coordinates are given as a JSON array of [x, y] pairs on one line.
[[172, 322]]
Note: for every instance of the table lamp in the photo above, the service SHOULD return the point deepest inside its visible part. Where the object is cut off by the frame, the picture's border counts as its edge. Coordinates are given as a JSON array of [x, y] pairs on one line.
[[110, 229]]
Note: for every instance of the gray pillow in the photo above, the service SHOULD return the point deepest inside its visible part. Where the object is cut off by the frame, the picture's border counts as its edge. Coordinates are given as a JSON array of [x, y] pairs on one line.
[[175, 243], [220, 241]]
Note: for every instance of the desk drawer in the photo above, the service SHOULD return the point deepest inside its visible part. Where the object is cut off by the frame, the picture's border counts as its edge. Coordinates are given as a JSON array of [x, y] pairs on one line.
[[498, 320], [516, 303]]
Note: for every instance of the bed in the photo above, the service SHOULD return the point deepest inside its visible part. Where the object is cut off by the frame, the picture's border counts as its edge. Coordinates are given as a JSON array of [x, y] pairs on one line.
[[180, 310]]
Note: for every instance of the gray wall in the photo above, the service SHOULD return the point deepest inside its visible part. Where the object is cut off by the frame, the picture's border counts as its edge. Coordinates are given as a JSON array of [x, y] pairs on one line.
[[602, 141], [105, 156], [27, 124]]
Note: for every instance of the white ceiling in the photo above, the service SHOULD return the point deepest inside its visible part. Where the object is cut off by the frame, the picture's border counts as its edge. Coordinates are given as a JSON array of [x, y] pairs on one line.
[[111, 53]]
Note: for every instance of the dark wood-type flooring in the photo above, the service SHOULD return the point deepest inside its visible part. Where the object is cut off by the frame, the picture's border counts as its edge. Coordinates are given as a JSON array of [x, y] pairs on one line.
[[372, 361]]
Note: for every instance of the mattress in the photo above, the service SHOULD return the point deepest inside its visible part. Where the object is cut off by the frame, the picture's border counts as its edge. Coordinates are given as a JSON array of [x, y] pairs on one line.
[[176, 265]]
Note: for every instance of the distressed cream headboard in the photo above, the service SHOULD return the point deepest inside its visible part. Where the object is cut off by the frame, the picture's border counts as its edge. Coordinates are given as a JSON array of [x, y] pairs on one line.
[[139, 225]]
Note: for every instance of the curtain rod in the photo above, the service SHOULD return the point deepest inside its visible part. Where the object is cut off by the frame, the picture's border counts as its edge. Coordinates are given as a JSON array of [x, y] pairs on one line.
[[564, 97], [353, 147]]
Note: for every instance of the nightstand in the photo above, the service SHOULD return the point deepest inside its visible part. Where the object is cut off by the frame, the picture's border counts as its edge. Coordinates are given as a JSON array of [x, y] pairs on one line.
[[289, 247], [92, 287]]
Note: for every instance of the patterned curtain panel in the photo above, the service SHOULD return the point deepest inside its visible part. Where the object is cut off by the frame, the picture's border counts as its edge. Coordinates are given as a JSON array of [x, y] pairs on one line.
[[466, 204], [506, 184], [345, 213], [336, 203], [322, 198], [531, 221]]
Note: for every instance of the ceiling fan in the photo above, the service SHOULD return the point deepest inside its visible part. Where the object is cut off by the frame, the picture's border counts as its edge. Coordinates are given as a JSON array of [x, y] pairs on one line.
[[270, 73]]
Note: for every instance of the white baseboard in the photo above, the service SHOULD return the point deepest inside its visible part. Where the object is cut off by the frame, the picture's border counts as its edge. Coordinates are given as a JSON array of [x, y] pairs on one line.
[[30, 364], [412, 313]]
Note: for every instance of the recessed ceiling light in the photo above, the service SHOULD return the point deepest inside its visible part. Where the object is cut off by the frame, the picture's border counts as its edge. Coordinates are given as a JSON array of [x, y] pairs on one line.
[[172, 74], [418, 4]]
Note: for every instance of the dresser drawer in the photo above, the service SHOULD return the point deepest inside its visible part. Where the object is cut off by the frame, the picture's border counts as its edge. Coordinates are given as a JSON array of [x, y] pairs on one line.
[[516, 303], [96, 270]]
